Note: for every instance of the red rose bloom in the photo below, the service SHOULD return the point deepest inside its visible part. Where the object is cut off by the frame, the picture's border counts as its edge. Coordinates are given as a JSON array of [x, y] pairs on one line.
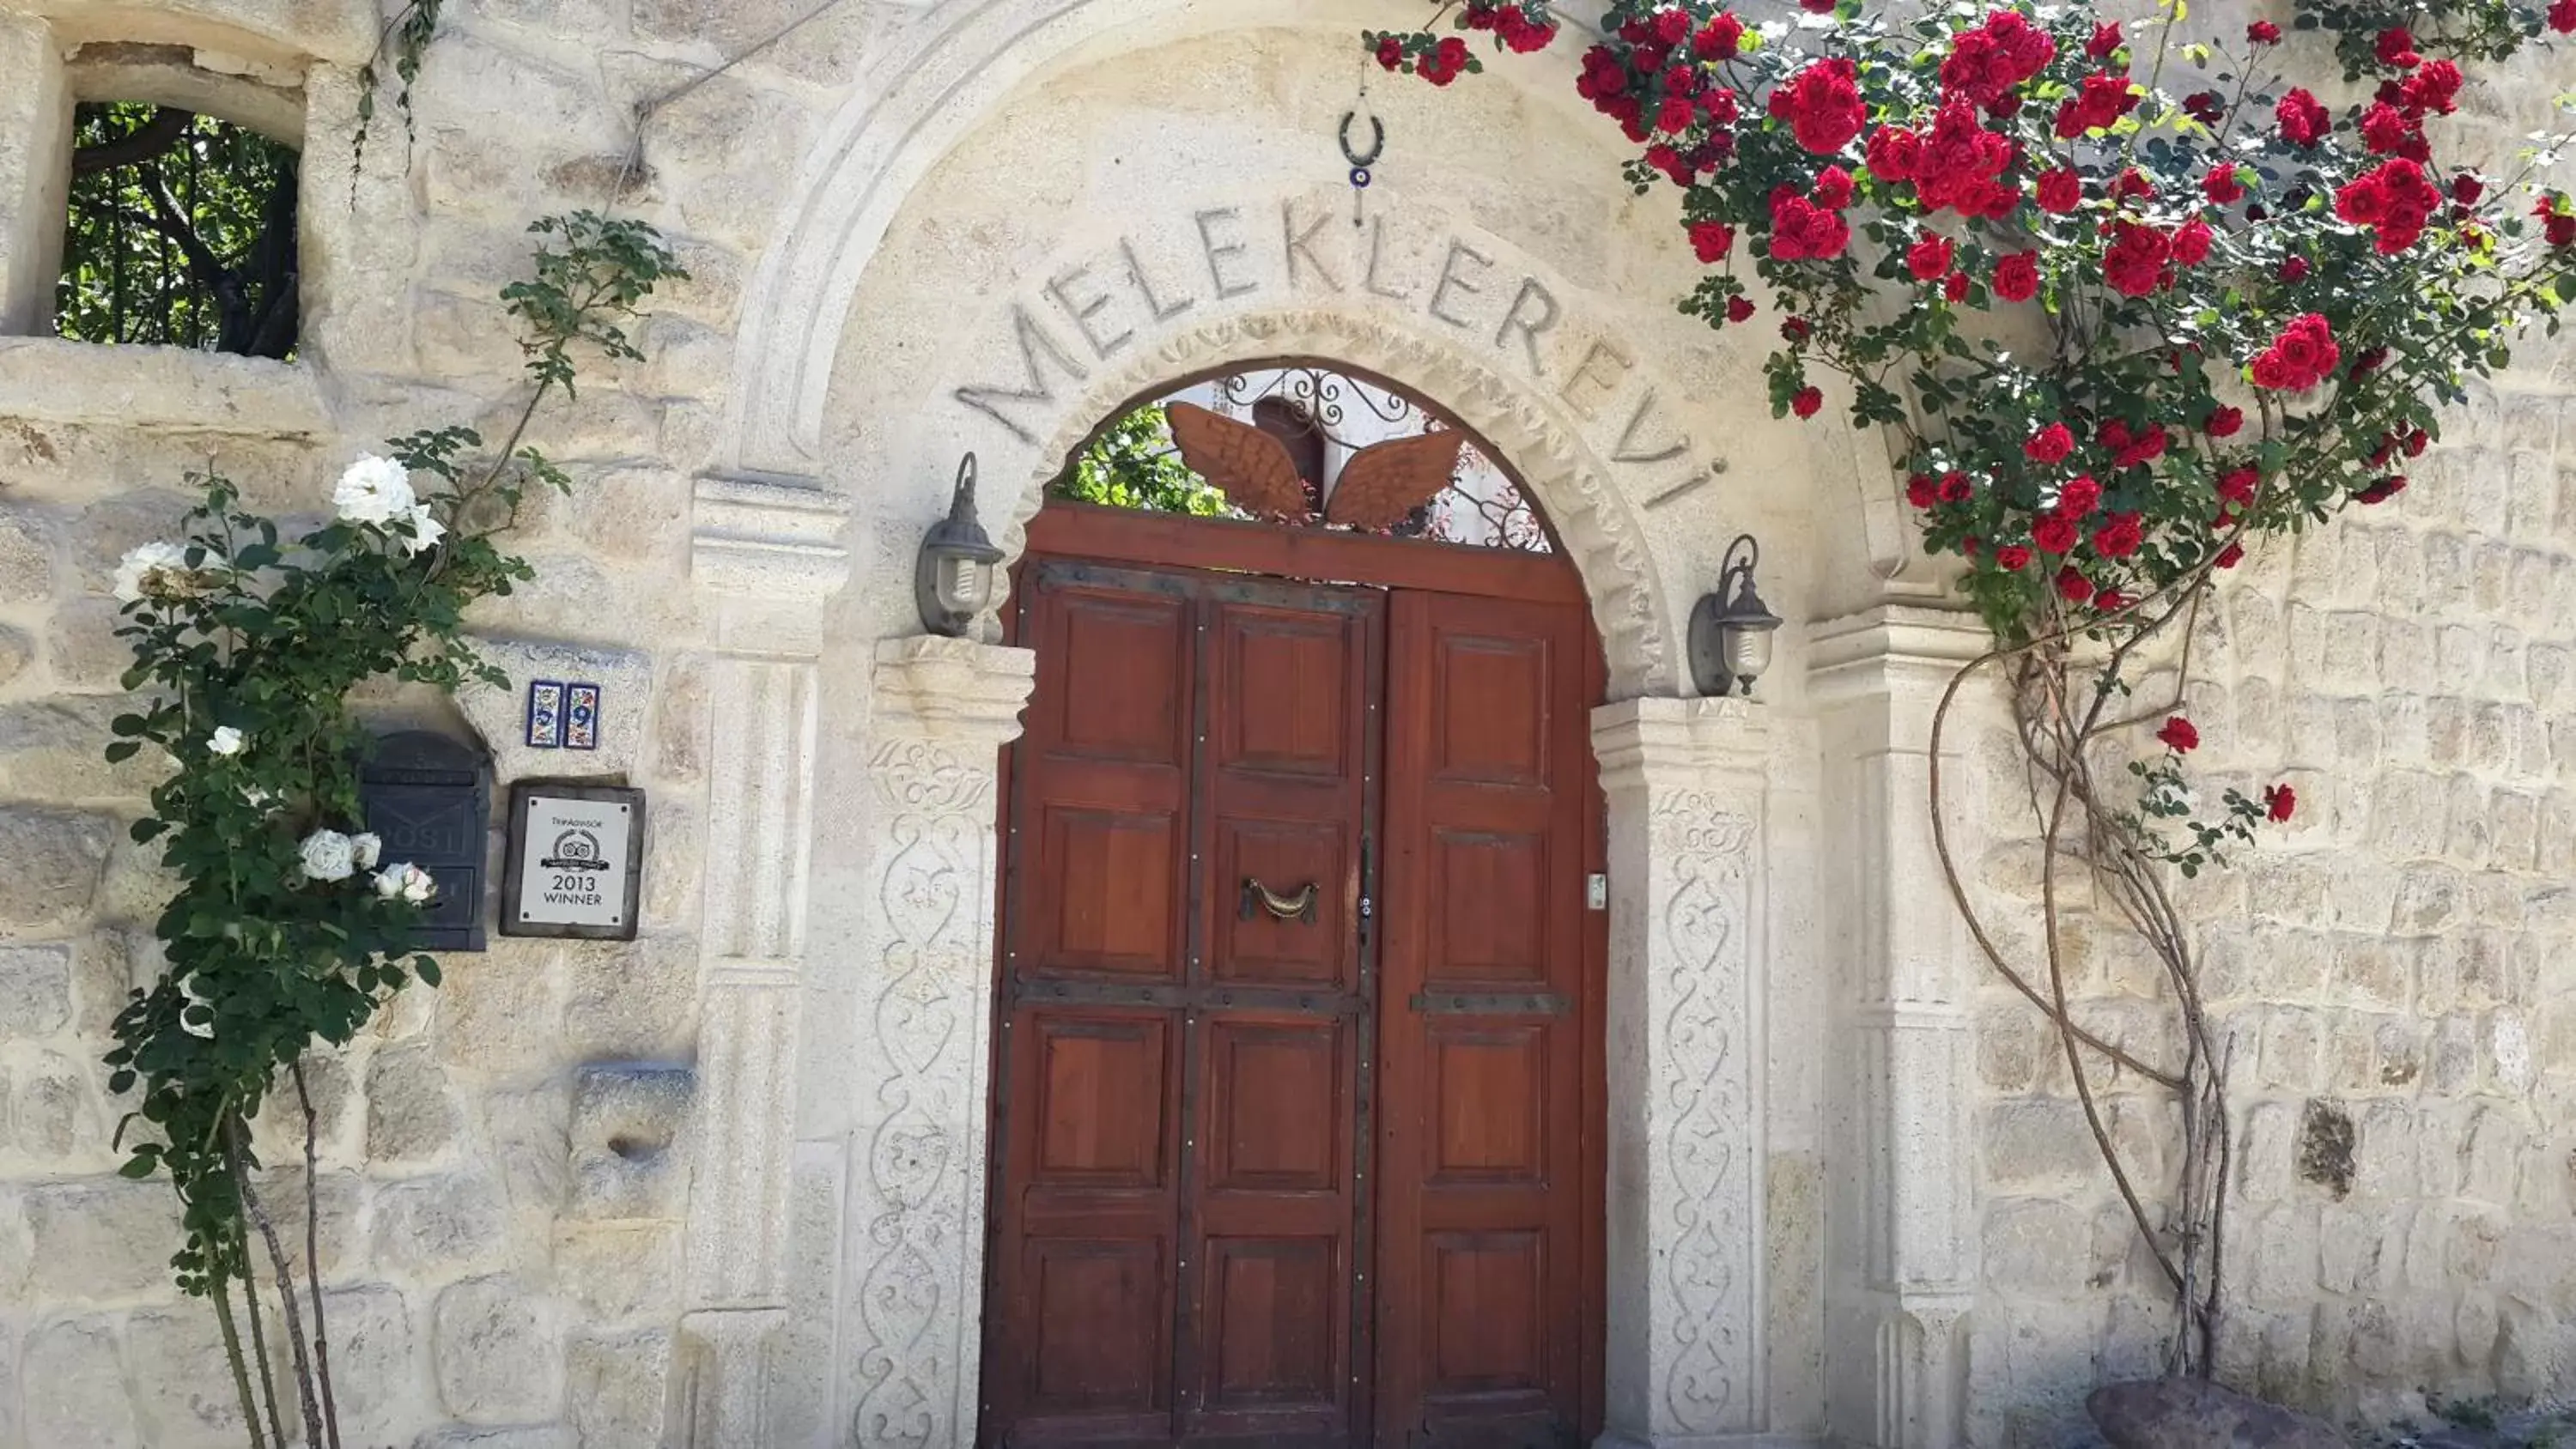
[[2395, 201], [2301, 358], [1390, 51], [2224, 423], [1954, 287], [1720, 38], [1794, 329], [2237, 484], [2294, 269], [1822, 106], [2179, 736], [1892, 153], [2557, 222], [1739, 309], [2207, 107], [2396, 46], [1984, 64], [1955, 488], [2562, 17], [2279, 801], [2106, 39], [2050, 444], [1833, 190], [2223, 185], [2388, 131], [1806, 402], [2191, 243], [2468, 187], [2383, 490], [1712, 240], [2073, 587], [2120, 537], [2017, 277], [2110, 601], [2079, 497], [2054, 533], [2106, 97], [1804, 231], [2135, 263], [2130, 449], [2061, 191], [1919, 490], [2434, 89], [2303, 118], [1929, 258], [2416, 442], [2230, 556], [2263, 32], [2012, 558]]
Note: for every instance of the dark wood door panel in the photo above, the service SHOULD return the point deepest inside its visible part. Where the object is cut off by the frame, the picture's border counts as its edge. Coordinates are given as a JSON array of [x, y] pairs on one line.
[[1485, 1183], [1177, 1220]]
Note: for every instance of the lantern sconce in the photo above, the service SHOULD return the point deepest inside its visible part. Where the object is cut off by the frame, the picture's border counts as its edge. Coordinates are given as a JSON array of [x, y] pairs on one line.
[[1730, 634], [952, 579]]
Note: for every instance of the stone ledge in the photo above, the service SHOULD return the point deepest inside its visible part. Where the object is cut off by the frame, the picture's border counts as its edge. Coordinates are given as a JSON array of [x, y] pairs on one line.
[[51, 380], [288, 31]]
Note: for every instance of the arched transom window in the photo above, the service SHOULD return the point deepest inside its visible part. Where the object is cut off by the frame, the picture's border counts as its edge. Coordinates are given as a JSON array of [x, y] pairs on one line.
[[1311, 446]]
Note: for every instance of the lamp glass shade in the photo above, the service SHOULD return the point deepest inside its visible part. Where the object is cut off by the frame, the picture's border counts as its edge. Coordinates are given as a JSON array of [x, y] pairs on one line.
[[965, 583], [1746, 650]]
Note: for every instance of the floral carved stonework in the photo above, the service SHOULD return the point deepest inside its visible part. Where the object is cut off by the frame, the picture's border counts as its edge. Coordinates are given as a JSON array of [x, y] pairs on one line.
[[914, 1219]]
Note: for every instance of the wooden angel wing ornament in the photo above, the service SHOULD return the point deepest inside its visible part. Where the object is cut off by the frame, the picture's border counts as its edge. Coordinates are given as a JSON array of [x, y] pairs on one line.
[[1385, 481], [1252, 467]]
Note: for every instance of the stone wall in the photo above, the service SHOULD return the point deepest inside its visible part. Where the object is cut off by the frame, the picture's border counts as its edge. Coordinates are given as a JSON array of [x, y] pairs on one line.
[[2388, 972], [505, 1162]]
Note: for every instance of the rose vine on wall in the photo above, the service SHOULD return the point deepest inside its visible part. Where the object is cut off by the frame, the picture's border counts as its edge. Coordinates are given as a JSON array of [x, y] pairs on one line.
[[2130, 302], [286, 931]]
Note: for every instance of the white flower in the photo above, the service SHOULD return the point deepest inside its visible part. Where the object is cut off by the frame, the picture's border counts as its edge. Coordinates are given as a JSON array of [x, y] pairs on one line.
[[224, 741], [426, 530], [135, 573], [259, 799], [373, 490], [328, 856], [407, 881], [364, 849]]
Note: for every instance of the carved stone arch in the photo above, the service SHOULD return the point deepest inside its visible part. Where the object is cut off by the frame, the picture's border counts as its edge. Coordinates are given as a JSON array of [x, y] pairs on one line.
[[918, 99], [1567, 481]]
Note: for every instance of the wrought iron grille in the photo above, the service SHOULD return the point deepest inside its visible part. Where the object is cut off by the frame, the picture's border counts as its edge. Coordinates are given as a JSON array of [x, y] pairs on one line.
[[1321, 420]]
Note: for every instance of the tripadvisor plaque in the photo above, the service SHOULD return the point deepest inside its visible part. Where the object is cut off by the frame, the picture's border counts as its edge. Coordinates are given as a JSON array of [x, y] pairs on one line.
[[575, 859]]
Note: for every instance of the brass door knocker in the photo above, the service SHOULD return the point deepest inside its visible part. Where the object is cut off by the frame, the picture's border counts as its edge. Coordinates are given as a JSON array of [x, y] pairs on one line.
[[1299, 907]]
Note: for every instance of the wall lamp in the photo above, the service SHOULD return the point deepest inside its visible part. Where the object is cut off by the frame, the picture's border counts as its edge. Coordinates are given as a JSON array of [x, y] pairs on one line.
[[1730, 633], [952, 579]]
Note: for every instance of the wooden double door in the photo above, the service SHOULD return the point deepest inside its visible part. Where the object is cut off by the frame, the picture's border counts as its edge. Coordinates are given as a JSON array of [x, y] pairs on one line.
[[1296, 1102]]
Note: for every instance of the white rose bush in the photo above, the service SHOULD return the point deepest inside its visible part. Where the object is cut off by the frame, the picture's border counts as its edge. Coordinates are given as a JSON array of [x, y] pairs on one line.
[[286, 930]]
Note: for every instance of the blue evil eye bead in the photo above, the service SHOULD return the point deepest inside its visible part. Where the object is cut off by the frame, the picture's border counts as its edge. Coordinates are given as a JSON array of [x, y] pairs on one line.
[[1359, 176]]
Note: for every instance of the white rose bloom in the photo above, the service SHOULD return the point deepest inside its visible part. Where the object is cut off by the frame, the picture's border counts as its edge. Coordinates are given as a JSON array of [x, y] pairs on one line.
[[225, 740], [407, 881], [135, 570], [374, 491], [426, 530], [364, 849], [328, 856]]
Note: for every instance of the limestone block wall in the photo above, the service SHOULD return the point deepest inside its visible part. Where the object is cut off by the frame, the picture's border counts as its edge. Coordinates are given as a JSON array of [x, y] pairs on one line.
[[505, 1163], [2390, 971]]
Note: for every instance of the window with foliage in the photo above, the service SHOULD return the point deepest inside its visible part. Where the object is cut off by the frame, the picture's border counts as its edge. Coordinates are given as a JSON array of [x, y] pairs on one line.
[[181, 232]]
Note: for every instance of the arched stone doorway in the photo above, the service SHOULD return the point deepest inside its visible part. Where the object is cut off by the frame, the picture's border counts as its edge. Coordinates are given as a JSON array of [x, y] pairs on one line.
[[1297, 1109]]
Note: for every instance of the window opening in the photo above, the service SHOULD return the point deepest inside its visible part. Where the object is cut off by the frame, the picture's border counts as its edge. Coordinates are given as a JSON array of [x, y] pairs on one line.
[[181, 232], [1308, 446]]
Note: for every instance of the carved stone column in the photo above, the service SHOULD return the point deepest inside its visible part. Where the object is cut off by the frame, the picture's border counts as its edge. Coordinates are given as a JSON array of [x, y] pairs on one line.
[[1900, 1091], [766, 556], [1686, 781], [914, 1268]]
